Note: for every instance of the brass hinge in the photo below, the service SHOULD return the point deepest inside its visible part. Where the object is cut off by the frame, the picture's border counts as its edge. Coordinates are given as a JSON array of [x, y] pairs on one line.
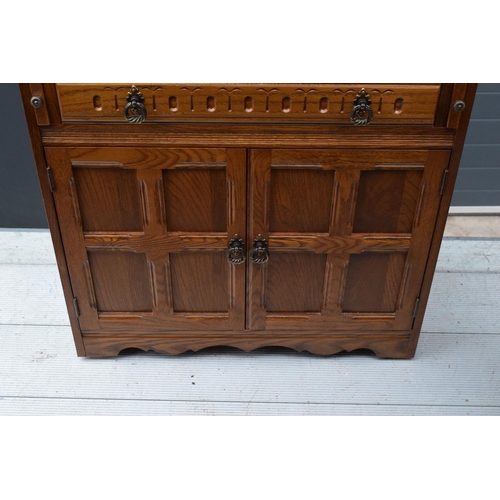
[[77, 307], [415, 310], [51, 180], [443, 183]]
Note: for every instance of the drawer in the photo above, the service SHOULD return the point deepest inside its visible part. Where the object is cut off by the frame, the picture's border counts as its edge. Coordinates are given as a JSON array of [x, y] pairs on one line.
[[328, 103]]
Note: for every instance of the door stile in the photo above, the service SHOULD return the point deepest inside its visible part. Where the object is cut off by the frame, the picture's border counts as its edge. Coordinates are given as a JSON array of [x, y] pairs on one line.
[[348, 181], [73, 238], [423, 228], [150, 183], [259, 194], [236, 176], [344, 198]]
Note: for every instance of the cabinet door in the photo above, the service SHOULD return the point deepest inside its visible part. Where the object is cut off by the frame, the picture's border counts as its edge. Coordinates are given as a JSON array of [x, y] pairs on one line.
[[349, 232], [146, 232]]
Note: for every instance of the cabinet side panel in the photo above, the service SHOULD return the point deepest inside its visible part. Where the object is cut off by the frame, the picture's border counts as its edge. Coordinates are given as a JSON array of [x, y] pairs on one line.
[[41, 166], [444, 207]]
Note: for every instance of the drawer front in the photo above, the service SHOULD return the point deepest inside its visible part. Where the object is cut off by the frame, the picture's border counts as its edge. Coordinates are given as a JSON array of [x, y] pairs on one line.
[[329, 103]]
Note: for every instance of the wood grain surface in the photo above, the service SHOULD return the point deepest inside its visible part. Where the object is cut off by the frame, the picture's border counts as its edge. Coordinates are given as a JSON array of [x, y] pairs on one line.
[[142, 216], [390, 103]]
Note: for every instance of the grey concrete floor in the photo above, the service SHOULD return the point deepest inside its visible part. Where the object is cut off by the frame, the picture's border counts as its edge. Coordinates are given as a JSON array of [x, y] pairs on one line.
[[455, 371], [473, 226]]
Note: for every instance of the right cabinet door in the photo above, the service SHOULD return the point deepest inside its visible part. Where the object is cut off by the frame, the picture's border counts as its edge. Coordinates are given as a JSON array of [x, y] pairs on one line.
[[348, 234]]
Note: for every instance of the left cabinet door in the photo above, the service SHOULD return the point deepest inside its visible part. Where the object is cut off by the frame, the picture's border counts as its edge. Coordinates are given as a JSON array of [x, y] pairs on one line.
[[146, 234]]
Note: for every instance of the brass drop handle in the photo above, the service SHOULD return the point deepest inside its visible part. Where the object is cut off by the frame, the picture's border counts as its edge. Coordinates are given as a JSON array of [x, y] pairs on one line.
[[259, 253], [362, 114], [236, 254], [135, 111]]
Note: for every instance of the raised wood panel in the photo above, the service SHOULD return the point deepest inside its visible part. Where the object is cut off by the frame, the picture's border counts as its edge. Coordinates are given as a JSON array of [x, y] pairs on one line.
[[107, 199], [300, 199], [373, 282], [122, 281], [295, 282], [195, 199], [387, 200], [395, 103], [199, 281]]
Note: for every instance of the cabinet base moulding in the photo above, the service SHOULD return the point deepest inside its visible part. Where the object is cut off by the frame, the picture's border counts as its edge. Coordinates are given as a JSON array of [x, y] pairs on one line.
[[390, 345]]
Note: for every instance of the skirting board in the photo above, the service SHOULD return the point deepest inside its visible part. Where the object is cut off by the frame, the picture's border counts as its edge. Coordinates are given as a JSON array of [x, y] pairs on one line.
[[495, 210]]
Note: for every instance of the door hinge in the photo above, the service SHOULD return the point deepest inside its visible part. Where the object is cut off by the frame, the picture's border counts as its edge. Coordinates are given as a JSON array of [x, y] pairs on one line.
[[51, 180], [415, 310], [77, 307], [443, 184]]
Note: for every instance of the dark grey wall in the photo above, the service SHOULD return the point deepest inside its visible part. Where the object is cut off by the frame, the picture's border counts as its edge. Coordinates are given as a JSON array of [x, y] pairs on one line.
[[478, 182], [20, 199]]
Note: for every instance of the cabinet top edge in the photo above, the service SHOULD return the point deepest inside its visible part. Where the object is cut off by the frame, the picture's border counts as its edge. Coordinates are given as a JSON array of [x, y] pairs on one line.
[[245, 83]]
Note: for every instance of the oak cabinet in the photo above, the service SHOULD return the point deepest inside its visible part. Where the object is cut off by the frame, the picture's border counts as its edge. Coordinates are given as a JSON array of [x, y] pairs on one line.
[[281, 224]]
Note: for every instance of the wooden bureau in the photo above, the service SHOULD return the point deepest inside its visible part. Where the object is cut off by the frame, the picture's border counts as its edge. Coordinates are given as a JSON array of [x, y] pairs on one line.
[[301, 215]]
